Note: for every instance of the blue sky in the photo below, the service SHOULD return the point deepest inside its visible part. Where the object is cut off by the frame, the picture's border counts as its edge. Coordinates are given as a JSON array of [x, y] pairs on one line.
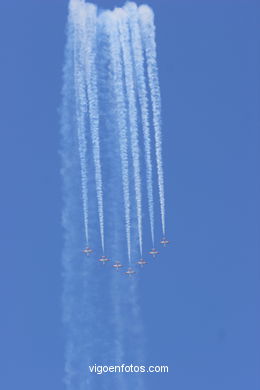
[[200, 304]]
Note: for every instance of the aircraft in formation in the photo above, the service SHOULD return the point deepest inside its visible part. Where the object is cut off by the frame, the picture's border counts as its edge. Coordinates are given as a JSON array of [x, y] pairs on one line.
[[87, 251], [153, 252], [130, 272], [164, 242], [117, 265], [103, 259], [141, 262]]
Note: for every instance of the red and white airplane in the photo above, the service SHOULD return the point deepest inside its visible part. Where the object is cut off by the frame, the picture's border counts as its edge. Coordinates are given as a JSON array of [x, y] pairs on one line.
[[117, 265], [103, 259], [141, 262], [130, 272], [153, 252], [164, 241], [87, 251]]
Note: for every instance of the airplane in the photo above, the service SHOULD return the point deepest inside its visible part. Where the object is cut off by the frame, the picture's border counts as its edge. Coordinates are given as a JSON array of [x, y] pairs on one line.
[[164, 241], [87, 251], [103, 259], [130, 272], [153, 252], [141, 262], [117, 265]]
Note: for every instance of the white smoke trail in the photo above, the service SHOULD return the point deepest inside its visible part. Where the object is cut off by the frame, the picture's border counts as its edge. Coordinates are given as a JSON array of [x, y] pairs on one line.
[[110, 23], [148, 32], [82, 295], [137, 50], [69, 165], [124, 36], [73, 102], [89, 36], [77, 20], [67, 93]]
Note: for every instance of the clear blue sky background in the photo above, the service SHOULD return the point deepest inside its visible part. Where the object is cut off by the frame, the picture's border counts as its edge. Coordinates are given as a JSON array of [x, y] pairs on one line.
[[201, 303]]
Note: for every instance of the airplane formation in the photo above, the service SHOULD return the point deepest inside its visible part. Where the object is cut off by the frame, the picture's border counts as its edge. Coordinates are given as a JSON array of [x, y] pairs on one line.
[[117, 265]]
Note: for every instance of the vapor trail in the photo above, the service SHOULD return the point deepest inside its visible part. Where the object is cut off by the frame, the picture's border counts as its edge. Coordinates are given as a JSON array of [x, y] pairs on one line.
[[72, 276], [89, 36], [77, 20], [113, 36], [137, 50], [124, 35], [148, 32], [67, 93]]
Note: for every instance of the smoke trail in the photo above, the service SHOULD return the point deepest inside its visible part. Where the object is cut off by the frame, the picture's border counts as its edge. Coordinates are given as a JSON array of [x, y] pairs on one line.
[[137, 50], [90, 27], [148, 32], [103, 96], [72, 101], [113, 36], [67, 93], [123, 27], [77, 21]]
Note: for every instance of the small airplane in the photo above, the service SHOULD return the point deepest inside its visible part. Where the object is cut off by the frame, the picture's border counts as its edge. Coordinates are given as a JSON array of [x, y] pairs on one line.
[[130, 272], [153, 252], [87, 251], [164, 241], [141, 262], [103, 259], [117, 265]]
